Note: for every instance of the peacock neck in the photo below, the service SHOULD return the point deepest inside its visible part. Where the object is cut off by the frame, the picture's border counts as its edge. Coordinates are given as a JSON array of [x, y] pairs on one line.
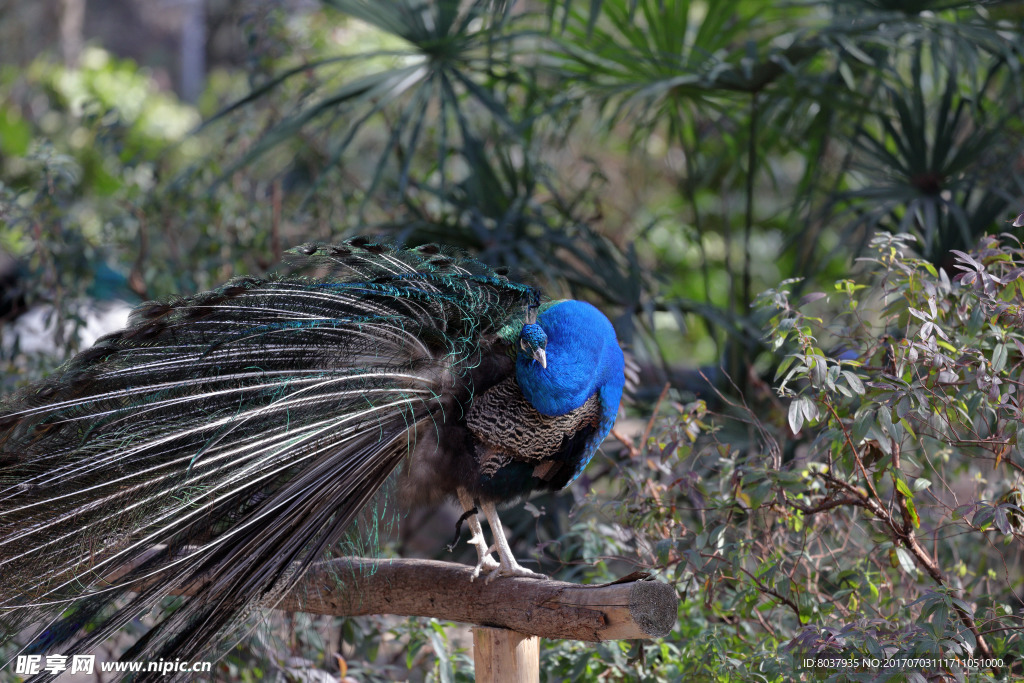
[[583, 358]]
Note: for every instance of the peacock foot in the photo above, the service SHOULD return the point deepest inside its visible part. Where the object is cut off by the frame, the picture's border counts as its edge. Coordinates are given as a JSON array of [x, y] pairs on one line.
[[511, 568], [486, 563], [507, 565]]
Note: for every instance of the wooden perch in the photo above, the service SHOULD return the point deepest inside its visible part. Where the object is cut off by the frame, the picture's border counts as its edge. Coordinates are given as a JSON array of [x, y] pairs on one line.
[[534, 606], [630, 608], [510, 613]]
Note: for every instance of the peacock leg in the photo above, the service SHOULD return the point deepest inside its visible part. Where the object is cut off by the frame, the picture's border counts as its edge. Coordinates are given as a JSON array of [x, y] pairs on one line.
[[485, 562], [508, 566]]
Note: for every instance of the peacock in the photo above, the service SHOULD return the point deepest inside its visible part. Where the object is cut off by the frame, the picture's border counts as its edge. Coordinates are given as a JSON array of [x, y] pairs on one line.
[[228, 440]]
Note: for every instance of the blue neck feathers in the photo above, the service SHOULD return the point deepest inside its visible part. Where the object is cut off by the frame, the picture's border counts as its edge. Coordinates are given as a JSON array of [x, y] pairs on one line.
[[583, 358]]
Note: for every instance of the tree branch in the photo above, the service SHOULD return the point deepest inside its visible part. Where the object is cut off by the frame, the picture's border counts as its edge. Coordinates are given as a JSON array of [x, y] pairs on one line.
[[542, 607], [628, 609]]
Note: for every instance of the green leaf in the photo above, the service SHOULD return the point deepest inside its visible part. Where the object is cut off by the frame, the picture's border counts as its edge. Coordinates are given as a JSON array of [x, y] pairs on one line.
[[854, 382], [912, 509], [796, 415], [884, 417], [983, 517], [902, 487], [908, 498], [999, 358], [809, 408], [862, 425], [906, 561], [784, 365]]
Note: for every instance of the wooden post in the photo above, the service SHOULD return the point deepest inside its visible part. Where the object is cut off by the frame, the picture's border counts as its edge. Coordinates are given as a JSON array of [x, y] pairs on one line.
[[504, 656]]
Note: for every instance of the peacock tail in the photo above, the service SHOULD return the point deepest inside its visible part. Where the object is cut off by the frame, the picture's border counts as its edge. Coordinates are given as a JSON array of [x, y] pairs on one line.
[[226, 440]]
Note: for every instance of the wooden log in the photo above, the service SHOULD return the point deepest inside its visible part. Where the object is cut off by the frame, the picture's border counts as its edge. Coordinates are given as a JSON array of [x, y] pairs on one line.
[[503, 656], [629, 609]]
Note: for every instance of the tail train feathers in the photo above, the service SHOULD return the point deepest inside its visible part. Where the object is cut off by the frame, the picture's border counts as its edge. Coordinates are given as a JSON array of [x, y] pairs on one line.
[[257, 419]]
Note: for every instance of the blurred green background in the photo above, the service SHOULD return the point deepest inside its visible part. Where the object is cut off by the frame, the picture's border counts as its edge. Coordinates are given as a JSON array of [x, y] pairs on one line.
[[669, 160]]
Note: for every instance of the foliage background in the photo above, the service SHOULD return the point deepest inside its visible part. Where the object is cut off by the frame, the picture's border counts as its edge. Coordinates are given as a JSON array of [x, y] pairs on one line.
[[831, 466]]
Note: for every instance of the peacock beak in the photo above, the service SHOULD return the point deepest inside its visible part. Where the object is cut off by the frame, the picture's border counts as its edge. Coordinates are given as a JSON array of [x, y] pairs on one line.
[[541, 357]]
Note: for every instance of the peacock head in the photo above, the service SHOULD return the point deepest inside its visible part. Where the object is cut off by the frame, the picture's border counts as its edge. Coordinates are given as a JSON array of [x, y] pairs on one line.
[[532, 343]]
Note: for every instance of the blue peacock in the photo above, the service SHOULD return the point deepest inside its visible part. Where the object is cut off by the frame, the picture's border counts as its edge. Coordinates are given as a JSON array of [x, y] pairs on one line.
[[228, 440]]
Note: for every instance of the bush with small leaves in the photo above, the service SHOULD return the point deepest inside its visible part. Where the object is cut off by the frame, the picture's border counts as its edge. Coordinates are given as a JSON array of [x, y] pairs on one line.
[[869, 508]]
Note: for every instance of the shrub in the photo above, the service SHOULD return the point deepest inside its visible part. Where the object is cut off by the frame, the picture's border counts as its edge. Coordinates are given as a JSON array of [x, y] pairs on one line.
[[870, 508]]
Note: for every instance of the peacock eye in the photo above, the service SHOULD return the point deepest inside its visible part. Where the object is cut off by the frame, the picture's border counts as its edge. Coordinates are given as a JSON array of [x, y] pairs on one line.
[[523, 345]]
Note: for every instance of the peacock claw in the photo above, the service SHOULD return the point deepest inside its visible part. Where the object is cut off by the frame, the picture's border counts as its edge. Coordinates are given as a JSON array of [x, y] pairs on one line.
[[487, 566], [486, 563], [507, 561], [511, 569], [507, 565]]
